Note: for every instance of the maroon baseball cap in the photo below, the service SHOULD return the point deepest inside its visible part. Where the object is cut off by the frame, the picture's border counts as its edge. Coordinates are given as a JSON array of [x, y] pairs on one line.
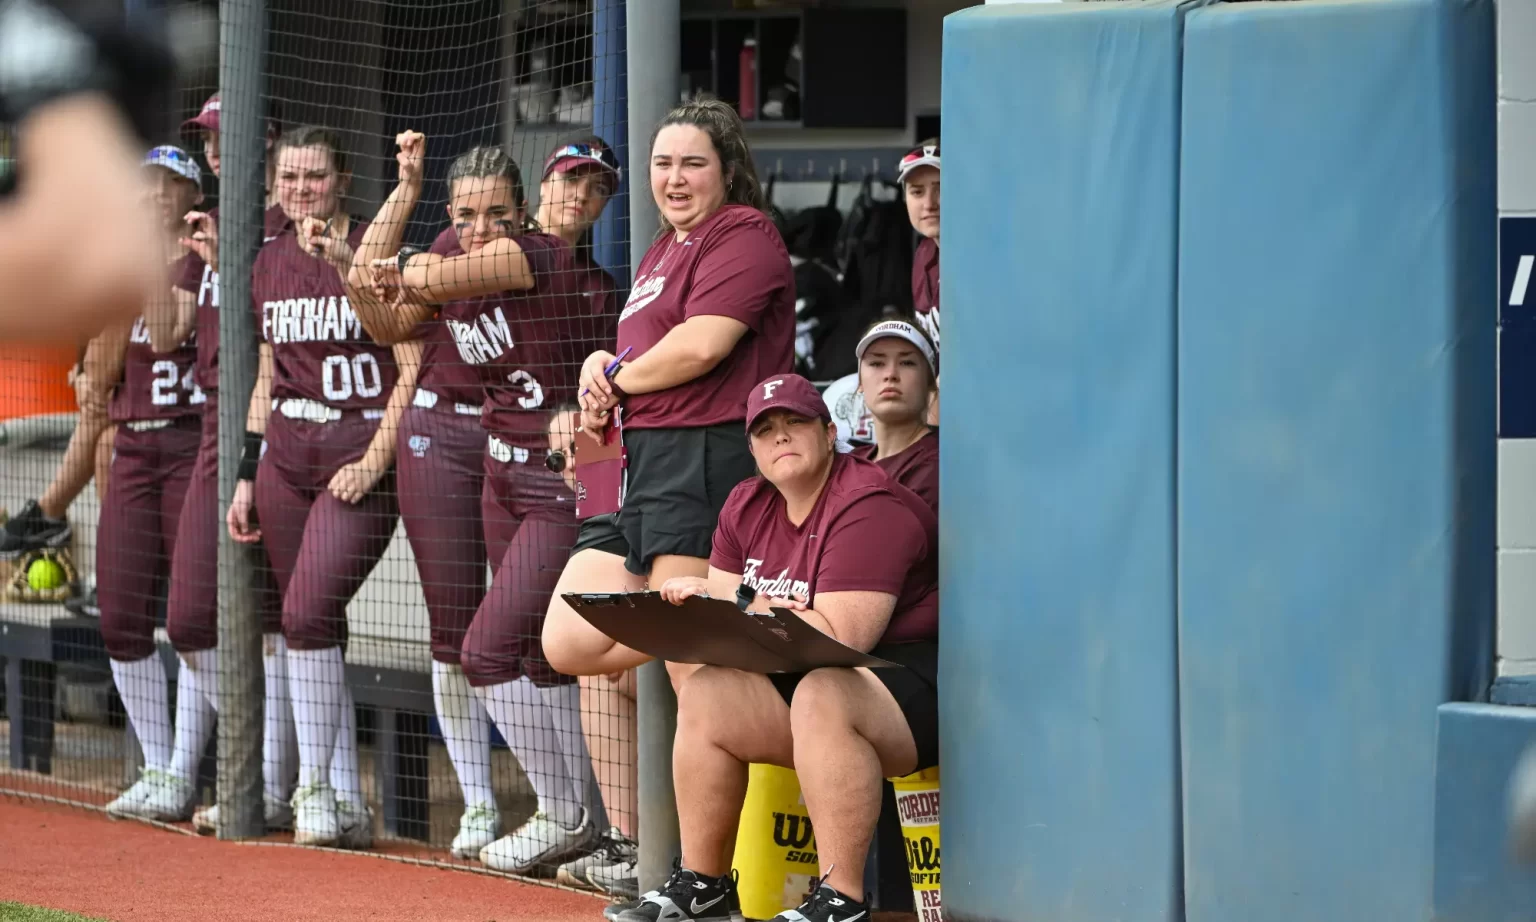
[[786, 392], [208, 118]]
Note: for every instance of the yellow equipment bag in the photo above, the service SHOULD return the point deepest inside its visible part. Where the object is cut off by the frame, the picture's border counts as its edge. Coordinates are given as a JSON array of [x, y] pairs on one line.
[[775, 845], [917, 803]]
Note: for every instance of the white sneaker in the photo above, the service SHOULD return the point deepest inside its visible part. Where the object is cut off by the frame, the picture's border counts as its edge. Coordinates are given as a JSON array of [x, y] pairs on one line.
[[540, 842], [604, 867], [314, 815], [131, 801], [355, 822], [278, 815], [478, 827], [169, 798]]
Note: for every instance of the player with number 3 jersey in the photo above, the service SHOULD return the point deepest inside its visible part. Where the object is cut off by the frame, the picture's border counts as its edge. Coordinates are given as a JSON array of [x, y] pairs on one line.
[[326, 405], [509, 299]]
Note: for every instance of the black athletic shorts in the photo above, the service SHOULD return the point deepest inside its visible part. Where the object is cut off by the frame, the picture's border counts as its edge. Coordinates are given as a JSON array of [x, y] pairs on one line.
[[914, 683], [678, 481]]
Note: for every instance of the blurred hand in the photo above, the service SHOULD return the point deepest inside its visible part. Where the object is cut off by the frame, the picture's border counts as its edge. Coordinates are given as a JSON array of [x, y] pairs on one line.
[[204, 239], [385, 275], [90, 398], [353, 481], [678, 588], [327, 240], [412, 156], [241, 518]]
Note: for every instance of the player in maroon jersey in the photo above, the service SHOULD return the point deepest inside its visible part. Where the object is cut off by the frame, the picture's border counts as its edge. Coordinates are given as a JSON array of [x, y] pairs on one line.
[[918, 174], [855, 554], [192, 605], [898, 374], [441, 442], [580, 177], [156, 407], [508, 298], [320, 446]]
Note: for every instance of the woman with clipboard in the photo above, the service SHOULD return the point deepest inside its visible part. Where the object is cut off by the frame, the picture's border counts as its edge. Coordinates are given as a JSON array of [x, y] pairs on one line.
[[711, 312], [509, 299]]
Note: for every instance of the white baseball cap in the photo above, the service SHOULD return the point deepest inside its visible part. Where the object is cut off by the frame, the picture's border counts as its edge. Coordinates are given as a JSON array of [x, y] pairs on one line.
[[926, 155], [177, 161]]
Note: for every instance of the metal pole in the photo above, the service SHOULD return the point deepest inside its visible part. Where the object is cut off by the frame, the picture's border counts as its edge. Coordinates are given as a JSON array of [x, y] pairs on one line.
[[652, 29], [610, 121], [242, 41]]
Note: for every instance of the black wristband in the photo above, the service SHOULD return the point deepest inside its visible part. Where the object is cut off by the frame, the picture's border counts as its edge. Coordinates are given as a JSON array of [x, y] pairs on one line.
[[613, 382], [250, 456]]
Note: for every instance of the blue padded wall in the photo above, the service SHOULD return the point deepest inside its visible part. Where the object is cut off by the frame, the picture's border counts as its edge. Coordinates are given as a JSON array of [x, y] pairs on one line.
[[1476, 879], [1336, 444], [1057, 664]]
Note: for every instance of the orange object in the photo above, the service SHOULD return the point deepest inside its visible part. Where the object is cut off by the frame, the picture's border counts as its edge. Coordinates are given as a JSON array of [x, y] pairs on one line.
[[35, 380]]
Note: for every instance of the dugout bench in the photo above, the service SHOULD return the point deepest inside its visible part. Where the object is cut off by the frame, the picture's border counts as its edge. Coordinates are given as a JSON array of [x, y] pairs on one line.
[[392, 679]]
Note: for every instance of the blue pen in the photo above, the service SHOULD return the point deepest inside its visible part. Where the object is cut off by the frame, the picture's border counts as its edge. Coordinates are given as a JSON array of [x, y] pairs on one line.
[[613, 366]]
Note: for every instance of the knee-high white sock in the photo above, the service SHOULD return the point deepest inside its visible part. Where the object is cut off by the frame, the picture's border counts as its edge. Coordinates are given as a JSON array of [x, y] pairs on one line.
[[142, 686], [346, 780], [194, 723], [466, 732], [206, 664], [317, 682], [564, 703], [525, 722], [279, 743]]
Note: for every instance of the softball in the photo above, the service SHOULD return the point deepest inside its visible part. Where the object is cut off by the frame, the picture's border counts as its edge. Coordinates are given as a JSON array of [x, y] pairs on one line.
[[45, 574]]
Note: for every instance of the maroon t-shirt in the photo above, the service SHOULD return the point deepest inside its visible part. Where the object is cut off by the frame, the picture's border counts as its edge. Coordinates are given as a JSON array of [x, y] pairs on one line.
[[520, 343], [916, 467], [866, 533], [155, 385], [734, 265], [199, 278], [443, 372], [925, 287], [320, 349], [600, 326]]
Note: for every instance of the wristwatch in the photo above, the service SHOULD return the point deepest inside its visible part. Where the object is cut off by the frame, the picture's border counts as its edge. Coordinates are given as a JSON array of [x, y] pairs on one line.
[[404, 257]]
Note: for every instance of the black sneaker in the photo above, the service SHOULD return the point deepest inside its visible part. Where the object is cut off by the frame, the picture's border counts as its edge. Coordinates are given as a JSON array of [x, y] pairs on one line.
[[825, 905], [84, 606], [30, 530], [687, 897]]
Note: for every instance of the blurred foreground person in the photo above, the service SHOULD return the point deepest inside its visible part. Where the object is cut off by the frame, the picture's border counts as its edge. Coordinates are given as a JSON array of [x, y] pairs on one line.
[[76, 95]]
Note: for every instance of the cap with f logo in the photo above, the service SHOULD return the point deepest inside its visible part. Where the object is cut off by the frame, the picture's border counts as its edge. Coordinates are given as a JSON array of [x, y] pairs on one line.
[[786, 392]]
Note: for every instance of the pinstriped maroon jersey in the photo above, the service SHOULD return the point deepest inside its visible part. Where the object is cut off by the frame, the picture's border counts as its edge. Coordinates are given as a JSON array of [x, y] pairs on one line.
[[199, 278], [321, 351], [522, 342], [156, 385]]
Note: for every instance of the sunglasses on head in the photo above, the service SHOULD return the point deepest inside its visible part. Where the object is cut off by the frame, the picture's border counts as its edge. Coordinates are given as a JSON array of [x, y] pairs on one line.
[[599, 155], [920, 153]]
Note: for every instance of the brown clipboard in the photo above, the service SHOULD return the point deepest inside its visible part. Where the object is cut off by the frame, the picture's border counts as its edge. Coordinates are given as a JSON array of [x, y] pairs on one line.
[[714, 632]]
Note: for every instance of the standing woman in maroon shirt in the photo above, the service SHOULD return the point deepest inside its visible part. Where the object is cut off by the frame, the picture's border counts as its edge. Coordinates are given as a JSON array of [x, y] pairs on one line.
[[508, 299], [326, 405], [579, 179], [156, 408], [711, 313]]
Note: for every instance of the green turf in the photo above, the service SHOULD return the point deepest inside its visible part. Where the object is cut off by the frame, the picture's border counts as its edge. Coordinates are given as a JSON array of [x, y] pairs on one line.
[[15, 912]]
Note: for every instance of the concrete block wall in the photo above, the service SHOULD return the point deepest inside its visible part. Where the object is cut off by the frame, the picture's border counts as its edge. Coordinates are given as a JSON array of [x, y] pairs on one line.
[[1517, 456]]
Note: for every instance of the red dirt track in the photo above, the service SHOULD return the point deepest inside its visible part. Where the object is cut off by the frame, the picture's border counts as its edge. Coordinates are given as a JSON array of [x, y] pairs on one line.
[[68, 858]]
